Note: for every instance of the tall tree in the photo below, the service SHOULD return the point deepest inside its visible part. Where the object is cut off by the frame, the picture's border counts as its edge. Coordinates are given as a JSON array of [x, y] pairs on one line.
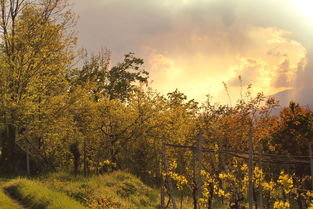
[[36, 51]]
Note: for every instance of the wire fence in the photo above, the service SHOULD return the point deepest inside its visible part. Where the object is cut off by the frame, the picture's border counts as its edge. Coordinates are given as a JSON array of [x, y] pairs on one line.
[[285, 159]]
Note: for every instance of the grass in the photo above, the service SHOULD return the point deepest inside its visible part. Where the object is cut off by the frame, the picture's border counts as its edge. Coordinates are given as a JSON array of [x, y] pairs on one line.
[[63, 190], [6, 202], [115, 190], [35, 195]]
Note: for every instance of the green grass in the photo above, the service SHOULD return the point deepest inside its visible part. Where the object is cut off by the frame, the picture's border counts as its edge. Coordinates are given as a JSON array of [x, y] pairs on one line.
[[64, 190], [115, 190], [6, 202], [35, 195]]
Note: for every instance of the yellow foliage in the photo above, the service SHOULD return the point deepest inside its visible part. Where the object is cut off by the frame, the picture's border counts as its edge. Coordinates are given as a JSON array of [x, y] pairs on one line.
[[281, 205]]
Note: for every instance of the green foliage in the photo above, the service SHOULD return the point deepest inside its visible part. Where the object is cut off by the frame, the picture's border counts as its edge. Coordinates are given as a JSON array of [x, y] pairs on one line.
[[35, 195], [123, 76], [36, 52], [118, 82], [294, 130]]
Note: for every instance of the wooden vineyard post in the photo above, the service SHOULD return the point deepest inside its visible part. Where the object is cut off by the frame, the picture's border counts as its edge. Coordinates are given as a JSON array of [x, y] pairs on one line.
[[250, 190], [162, 192], [195, 185], [162, 177], [169, 181], [311, 162], [199, 138], [260, 183]]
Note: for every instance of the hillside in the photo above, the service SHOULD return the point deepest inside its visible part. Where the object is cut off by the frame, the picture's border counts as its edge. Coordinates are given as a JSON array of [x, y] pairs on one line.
[[62, 190]]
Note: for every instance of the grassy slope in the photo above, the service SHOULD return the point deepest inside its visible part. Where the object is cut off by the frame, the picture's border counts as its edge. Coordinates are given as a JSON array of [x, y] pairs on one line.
[[5, 201], [116, 190], [60, 190], [36, 196]]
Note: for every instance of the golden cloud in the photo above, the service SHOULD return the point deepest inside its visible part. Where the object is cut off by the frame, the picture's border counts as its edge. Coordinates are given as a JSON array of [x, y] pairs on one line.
[[270, 63], [195, 45]]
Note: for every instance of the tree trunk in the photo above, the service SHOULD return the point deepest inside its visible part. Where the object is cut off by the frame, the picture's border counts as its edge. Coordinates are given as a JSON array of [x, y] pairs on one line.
[[76, 155], [8, 157], [27, 159], [85, 157]]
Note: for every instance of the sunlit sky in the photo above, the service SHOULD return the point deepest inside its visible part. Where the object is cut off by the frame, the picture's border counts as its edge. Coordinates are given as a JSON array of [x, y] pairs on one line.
[[195, 45]]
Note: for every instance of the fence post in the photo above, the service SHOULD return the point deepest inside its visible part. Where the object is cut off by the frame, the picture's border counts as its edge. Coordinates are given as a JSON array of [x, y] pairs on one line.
[[195, 184], [250, 190], [199, 138], [169, 181], [311, 162], [162, 192], [260, 183], [162, 177]]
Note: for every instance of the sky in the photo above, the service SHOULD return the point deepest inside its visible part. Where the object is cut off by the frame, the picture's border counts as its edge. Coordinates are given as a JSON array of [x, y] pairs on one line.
[[196, 45]]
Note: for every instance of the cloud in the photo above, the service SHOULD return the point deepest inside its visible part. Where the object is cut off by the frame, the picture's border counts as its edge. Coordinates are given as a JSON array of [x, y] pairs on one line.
[[194, 45], [249, 72], [169, 74], [305, 73], [286, 73], [273, 66]]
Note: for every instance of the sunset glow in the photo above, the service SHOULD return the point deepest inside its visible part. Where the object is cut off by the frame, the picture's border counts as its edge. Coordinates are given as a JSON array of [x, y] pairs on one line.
[[305, 7], [196, 45]]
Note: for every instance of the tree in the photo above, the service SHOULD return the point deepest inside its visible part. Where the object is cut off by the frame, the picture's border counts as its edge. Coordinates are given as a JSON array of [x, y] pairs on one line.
[[93, 75], [118, 82], [104, 91], [36, 51], [294, 131]]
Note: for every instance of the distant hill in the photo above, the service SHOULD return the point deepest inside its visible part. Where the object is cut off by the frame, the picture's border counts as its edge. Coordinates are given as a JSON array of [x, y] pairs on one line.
[[302, 96]]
